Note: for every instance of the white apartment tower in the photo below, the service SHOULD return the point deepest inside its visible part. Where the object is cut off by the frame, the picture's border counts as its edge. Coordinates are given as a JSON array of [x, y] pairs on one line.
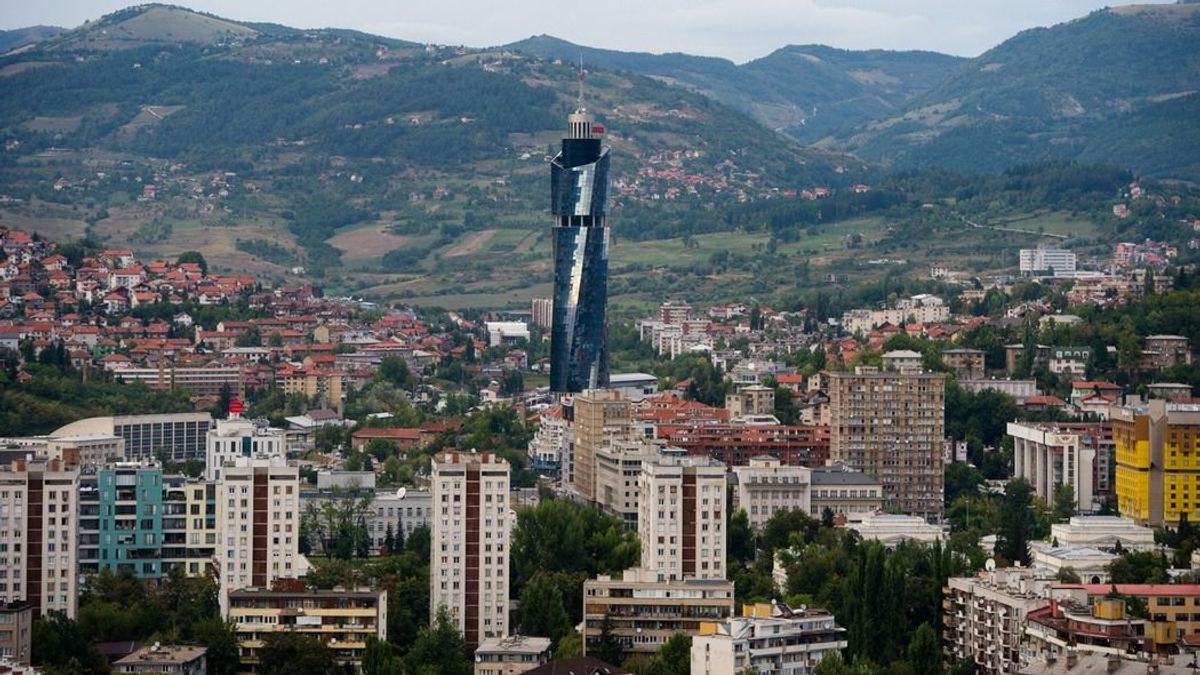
[[470, 543], [681, 517], [38, 524], [238, 437], [258, 524]]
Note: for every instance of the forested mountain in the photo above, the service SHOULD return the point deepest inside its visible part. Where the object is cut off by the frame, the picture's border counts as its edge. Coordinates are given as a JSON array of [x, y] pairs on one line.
[[1118, 86], [806, 91]]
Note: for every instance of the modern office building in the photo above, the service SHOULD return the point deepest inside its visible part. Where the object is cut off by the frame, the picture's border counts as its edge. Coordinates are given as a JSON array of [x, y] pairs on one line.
[[766, 487], [646, 609], [1158, 461], [258, 524], [602, 417], [38, 557], [343, 619], [768, 639], [1044, 261], [891, 426], [181, 435], [579, 204], [511, 655], [469, 546], [235, 438], [681, 517]]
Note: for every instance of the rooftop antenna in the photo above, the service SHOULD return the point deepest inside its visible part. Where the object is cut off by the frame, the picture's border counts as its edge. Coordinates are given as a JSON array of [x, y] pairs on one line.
[[581, 105]]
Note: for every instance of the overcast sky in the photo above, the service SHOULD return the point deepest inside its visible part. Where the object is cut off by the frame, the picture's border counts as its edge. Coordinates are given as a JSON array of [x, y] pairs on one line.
[[737, 29]]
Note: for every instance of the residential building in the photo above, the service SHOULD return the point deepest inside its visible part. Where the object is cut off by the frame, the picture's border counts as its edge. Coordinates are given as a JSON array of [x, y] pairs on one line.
[[891, 529], [258, 524], [902, 361], [180, 435], [601, 417], [1070, 361], [618, 477], [646, 608], [891, 427], [1107, 533], [165, 660], [1045, 261], [1051, 460], [633, 386], [551, 443], [579, 665], [235, 438], [985, 617], [512, 655], [1164, 351], [768, 639], [399, 512], [967, 364], [341, 618], [506, 332], [1172, 604], [543, 311], [16, 632], [1018, 389], [681, 517], [767, 486], [470, 543], [848, 493], [750, 400], [1158, 460], [38, 511], [736, 444], [198, 380], [1075, 663]]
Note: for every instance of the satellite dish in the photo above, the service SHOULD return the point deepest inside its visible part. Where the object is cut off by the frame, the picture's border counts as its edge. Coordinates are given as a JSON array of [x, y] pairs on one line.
[[990, 565], [401, 492]]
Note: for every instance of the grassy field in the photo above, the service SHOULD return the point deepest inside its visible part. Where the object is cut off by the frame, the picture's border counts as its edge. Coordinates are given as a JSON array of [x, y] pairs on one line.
[[367, 241]]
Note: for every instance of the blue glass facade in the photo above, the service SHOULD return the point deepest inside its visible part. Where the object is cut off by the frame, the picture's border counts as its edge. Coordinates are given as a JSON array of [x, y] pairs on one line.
[[579, 203]]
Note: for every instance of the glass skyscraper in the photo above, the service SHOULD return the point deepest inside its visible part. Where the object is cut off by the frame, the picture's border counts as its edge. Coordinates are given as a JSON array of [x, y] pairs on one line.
[[579, 202]]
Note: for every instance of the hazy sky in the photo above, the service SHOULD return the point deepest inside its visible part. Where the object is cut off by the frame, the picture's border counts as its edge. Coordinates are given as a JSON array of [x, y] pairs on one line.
[[737, 29]]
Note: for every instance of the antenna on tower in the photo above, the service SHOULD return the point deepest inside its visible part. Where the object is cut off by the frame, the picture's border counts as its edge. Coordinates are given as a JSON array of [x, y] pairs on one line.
[[581, 106]]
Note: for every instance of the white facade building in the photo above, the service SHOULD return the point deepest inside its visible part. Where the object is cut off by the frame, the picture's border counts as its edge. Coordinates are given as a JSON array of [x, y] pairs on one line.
[[470, 543], [768, 640], [766, 487], [891, 529], [506, 332], [239, 438], [1049, 458], [1057, 262], [1104, 533], [681, 517], [34, 538]]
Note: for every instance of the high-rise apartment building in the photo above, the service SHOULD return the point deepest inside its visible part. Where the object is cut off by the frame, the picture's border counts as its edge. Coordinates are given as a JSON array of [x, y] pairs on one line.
[[890, 426], [579, 203], [543, 312], [38, 556], [236, 437], [258, 523], [1158, 461], [602, 417], [469, 546], [681, 517]]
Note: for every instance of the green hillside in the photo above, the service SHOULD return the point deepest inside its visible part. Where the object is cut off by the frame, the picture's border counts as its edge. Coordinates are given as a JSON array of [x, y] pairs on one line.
[[12, 39], [806, 91], [1112, 86]]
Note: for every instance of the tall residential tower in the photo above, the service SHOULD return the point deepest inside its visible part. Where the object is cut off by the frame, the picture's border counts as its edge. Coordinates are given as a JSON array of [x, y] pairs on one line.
[[579, 202]]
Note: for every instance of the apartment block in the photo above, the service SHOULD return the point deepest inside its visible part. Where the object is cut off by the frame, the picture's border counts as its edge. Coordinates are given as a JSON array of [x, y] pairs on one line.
[[736, 444], [16, 632], [165, 660], [985, 617], [768, 639], [891, 427], [967, 364], [511, 655], [681, 517], [750, 401], [1043, 261], [38, 523], [470, 543], [601, 417], [646, 608], [235, 438], [342, 619], [258, 524], [767, 486], [1157, 448], [1174, 608], [618, 478]]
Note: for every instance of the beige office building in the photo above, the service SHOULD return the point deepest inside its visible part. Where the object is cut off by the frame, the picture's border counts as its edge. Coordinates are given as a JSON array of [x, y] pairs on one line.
[[767, 487], [469, 545], [891, 426]]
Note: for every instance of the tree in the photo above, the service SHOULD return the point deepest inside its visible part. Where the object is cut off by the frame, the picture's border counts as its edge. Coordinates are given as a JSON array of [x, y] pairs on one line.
[[1068, 575], [439, 648], [289, 653], [608, 648], [961, 479], [1140, 567], [674, 658], [570, 646], [59, 643], [193, 257], [1064, 502], [925, 651], [740, 546], [1016, 522], [542, 611], [220, 638], [394, 369], [379, 658]]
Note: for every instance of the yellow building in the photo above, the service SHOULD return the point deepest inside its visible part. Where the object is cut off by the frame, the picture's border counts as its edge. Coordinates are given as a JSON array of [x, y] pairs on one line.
[[1158, 461]]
